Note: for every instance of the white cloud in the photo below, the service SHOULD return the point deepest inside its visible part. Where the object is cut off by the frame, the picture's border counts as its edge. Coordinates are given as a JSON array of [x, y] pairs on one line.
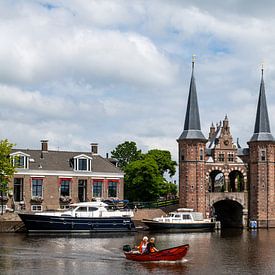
[[108, 71]]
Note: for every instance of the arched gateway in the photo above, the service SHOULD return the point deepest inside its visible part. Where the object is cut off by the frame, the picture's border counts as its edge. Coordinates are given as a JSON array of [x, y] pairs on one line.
[[229, 213], [219, 177]]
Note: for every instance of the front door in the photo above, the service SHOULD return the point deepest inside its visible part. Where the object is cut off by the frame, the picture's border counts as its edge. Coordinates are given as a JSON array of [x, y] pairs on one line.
[[18, 189], [82, 187]]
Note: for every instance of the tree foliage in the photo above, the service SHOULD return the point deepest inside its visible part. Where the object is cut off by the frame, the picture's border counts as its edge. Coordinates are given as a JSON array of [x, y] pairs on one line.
[[142, 180], [7, 169], [164, 161], [168, 189], [126, 153], [145, 173]]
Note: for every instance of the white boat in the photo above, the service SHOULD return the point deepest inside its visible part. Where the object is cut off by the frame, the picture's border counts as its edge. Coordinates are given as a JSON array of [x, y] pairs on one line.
[[184, 219], [80, 217]]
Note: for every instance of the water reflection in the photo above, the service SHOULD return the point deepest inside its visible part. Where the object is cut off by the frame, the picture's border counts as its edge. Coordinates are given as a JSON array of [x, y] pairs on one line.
[[225, 252]]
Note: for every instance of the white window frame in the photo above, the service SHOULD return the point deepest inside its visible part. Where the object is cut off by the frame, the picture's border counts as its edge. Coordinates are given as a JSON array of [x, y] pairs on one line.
[[21, 154], [33, 206], [81, 157], [37, 178]]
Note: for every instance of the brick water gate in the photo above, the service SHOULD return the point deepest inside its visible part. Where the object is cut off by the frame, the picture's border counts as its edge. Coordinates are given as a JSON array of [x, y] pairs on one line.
[[220, 178]]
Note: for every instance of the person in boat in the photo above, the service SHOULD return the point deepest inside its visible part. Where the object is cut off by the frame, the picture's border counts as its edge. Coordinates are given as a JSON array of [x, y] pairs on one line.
[[151, 248], [143, 245]]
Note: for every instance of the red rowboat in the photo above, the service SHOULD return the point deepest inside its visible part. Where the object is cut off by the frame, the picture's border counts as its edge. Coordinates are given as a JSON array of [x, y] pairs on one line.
[[170, 254]]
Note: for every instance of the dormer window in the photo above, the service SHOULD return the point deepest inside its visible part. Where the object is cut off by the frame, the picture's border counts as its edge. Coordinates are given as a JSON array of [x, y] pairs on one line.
[[82, 163], [20, 160]]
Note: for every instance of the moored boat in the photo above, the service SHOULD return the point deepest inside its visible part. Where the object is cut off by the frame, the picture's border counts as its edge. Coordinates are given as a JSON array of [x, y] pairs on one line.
[[86, 217], [184, 219], [170, 254]]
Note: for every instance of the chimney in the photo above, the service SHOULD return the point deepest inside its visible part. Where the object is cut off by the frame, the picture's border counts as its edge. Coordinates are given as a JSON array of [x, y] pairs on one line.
[[44, 145], [107, 155], [94, 148]]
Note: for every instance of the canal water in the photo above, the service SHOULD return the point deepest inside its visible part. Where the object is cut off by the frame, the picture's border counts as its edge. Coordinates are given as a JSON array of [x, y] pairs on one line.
[[224, 252]]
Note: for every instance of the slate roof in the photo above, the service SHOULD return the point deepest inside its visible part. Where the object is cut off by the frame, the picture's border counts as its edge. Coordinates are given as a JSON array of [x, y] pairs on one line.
[[63, 160], [192, 126], [262, 127]]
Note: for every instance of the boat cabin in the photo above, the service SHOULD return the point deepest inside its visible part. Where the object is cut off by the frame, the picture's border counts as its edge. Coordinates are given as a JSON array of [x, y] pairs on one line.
[[182, 217], [91, 209]]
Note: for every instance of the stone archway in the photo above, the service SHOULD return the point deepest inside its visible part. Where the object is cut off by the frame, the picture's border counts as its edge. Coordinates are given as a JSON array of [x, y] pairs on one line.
[[216, 181], [236, 181], [229, 213]]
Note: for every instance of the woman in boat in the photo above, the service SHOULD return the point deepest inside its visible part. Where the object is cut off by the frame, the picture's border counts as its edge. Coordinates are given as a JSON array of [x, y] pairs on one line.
[[151, 248], [143, 245]]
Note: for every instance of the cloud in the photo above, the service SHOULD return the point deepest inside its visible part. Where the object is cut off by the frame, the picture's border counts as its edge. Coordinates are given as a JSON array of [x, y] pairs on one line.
[[81, 71]]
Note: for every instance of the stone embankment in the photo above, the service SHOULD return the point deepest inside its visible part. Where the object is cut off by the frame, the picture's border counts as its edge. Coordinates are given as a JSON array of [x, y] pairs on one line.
[[140, 214], [10, 222]]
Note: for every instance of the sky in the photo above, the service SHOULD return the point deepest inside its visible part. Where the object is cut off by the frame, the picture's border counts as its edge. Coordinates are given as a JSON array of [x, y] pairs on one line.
[[81, 71]]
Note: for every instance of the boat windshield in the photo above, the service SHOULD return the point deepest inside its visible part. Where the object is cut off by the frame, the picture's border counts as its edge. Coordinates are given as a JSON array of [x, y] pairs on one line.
[[72, 207], [170, 215]]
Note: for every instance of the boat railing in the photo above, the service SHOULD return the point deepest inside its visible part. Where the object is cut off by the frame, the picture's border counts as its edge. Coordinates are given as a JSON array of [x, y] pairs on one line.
[[154, 204]]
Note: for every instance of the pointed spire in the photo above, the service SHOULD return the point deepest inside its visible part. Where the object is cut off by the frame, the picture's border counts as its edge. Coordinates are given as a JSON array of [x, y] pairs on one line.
[[238, 144], [192, 126], [262, 128]]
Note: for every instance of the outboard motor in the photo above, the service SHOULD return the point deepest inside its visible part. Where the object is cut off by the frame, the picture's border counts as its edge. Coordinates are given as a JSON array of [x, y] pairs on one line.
[[127, 248]]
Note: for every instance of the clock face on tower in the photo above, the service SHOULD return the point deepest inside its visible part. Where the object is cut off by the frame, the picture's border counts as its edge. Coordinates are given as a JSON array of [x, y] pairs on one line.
[[226, 142]]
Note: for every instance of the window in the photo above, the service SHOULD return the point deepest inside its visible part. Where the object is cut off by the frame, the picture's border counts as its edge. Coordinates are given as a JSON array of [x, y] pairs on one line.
[[97, 189], [230, 157], [201, 154], [263, 155], [91, 209], [36, 208], [65, 187], [82, 209], [112, 189], [20, 160], [82, 164], [186, 217], [221, 157], [37, 187]]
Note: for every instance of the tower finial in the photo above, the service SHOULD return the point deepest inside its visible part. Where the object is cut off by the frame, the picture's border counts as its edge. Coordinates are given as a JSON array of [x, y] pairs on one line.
[[193, 60], [262, 68]]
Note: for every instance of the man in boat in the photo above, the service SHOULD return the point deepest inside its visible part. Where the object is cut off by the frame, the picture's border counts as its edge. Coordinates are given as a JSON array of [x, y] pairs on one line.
[[143, 245], [151, 248]]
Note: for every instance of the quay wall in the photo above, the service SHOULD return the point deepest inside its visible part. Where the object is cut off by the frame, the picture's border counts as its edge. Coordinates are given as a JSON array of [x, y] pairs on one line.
[[10, 222]]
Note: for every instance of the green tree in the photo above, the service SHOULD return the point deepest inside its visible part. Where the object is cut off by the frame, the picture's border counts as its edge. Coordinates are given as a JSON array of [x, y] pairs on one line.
[[125, 153], [168, 189], [142, 180], [164, 161], [7, 169]]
